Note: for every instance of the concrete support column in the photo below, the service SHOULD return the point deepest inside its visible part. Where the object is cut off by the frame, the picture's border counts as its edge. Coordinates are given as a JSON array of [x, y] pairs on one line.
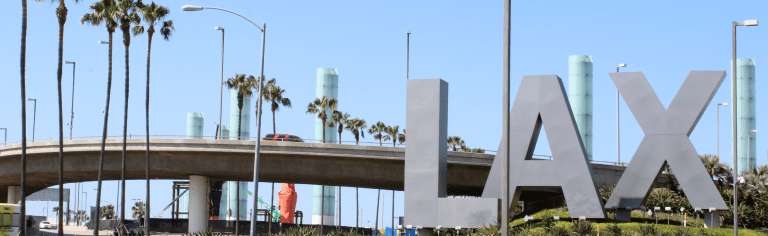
[[199, 190], [14, 194], [712, 223]]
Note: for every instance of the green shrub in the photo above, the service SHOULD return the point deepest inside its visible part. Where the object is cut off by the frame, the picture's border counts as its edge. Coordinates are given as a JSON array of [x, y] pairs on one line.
[[614, 230], [582, 228], [558, 231], [648, 230], [301, 231], [684, 232]]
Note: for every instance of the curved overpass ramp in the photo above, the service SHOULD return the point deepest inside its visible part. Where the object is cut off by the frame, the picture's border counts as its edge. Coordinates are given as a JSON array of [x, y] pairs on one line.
[[232, 160]]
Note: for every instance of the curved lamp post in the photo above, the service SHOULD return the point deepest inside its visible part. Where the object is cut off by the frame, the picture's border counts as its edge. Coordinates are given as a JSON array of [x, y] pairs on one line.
[[263, 30]]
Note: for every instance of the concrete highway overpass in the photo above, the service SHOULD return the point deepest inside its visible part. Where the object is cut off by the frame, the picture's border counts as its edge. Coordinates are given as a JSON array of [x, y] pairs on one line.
[[232, 160]]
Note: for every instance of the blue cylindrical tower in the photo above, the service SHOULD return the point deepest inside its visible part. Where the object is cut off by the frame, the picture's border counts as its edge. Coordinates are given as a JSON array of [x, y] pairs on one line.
[[745, 113], [195, 124], [327, 85], [245, 129], [225, 132], [580, 96]]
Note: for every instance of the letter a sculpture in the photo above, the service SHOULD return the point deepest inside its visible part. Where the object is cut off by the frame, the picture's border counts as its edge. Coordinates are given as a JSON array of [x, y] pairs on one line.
[[666, 140], [541, 99]]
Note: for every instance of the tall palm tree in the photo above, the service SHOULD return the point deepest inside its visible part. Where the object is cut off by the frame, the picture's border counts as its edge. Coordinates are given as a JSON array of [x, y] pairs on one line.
[[56, 210], [104, 11], [378, 130], [274, 94], [340, 119], [719, 172], [356, 127], [126, 14], [152, 14], [243, 85], [61, 14], [454, 141], [23, 63], [393, 133], [321, 107]]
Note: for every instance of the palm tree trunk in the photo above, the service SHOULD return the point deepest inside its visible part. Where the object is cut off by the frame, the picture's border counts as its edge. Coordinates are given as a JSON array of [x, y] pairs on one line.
[[274, 125], [357, 208], [323, 130], [340, 129], [146, 205], [380, 143], [127, 43], [61, 13], [103, 142], [23, 63]]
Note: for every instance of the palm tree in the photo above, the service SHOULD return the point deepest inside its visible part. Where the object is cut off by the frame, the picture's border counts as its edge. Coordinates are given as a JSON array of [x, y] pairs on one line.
[[61, 14], [108, 212], [126, 13], [340, 119], [274, 94], [153, 14], [138, 210], [377, 130], [103, 11], [243, 85], [393, 133], [719, 172], [478, 150], [56, 210], [356, 126], [321, 107], [454, 141], [23, 63]]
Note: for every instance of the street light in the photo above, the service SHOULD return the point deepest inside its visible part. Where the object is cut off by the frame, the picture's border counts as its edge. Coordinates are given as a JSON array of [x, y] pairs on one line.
[[221, 84], [718, 126], [72, 118], [733, 123], [103, 42], [34, 117], [263, 30], [749, 149], [618, 139], [408, 54]]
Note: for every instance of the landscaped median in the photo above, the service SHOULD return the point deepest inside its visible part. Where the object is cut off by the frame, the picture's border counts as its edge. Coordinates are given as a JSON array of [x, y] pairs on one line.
[[544, 224]]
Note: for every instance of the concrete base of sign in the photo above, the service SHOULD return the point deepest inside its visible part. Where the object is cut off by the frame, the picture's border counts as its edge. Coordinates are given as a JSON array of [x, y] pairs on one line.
[[623, 215], [14, 194], [199, 190], [712, 223]]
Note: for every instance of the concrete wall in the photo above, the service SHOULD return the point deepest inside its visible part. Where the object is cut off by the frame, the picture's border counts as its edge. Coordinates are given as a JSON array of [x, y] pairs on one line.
[[745, 113], [580, 96]]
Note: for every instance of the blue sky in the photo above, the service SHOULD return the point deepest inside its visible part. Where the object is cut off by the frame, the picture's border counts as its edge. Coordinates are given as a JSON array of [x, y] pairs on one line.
[[458, 41]]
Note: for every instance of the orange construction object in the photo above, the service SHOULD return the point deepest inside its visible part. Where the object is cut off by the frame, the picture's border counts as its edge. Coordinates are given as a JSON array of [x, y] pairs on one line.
[[287, 203]]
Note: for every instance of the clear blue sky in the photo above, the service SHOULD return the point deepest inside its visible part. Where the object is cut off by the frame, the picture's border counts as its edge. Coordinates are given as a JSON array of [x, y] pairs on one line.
[[458, 41]]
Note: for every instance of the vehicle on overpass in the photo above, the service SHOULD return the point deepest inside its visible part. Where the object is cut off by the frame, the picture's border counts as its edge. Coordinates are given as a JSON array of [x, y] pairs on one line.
[[282, 137], [45, 225]]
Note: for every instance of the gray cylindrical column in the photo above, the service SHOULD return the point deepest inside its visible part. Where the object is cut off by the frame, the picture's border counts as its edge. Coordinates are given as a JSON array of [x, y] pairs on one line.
[[199, 190], [745, 113], [580, 97], [14, 194]]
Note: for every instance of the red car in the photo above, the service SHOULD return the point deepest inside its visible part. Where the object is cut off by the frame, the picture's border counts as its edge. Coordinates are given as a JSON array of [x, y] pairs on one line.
[[282, 137]]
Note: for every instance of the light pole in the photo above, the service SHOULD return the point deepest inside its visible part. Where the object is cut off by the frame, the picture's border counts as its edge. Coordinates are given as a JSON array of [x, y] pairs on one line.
[[618, 137], [221, 84], [258, 104], [749, 149], [408, 54], [718, 126], [6, 135], [34, 117], [505, 117], [733, 124], [72, 118]]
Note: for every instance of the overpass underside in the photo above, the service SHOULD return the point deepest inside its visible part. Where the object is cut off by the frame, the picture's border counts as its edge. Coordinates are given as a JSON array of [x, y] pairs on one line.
[[232, 160]]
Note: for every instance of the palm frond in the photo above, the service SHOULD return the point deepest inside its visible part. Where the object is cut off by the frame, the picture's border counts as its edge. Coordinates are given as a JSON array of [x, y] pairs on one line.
[[138, 30]]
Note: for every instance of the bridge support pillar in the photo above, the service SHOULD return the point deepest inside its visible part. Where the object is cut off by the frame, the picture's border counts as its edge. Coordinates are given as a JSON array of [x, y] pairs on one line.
[[14, 194], [199, 190]]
